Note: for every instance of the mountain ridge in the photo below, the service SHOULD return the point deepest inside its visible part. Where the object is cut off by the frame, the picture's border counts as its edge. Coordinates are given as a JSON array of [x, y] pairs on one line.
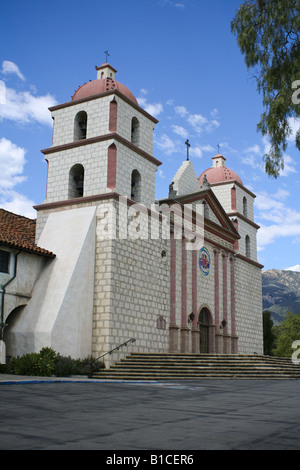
[[281, 293]]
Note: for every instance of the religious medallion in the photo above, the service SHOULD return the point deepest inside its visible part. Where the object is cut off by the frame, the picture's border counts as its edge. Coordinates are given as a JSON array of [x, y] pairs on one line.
[[204, 261]]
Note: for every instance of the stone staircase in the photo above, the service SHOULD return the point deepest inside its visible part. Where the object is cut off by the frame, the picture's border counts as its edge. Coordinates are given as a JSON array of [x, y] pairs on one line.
[[200, 366]]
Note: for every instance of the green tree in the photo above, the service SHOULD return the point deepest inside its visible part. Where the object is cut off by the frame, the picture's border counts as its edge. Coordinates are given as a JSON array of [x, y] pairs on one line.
[[268, 34], [269, 336], [286, 333]]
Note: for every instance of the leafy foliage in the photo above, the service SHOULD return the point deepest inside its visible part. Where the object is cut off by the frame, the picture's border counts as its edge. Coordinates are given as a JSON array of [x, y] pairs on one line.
[[286, 333], [268, 34], [47, 363]]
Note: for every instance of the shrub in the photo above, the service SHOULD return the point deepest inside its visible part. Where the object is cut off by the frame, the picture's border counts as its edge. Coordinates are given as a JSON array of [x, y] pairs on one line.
[[47, 363], [25, 365], [65, 366]]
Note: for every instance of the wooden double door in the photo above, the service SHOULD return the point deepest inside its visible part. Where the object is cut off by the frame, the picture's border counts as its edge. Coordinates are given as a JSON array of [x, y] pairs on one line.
[[204, 330]]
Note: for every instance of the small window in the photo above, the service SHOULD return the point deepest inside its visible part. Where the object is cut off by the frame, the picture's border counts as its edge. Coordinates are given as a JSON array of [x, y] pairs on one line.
[[80, 126], [245, 209], [161, 323], [76, 181], [135, 131], [247, 246], [136, 188], [4, 261]]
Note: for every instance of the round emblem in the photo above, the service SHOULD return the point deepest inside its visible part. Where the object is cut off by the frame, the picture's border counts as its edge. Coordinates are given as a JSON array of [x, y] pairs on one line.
[[204, 261]]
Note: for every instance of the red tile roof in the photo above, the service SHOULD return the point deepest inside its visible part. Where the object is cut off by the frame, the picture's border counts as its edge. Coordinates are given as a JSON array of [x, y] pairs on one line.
[[18, 232]]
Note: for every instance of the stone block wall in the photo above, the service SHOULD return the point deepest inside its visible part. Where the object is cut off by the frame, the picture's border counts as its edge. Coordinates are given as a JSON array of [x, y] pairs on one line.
[[249, 307], [97, 120], [131, 291]]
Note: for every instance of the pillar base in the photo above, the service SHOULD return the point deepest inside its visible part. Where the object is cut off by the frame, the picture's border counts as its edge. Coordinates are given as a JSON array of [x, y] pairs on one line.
[[195, 341], [184, 339], [173, 331]]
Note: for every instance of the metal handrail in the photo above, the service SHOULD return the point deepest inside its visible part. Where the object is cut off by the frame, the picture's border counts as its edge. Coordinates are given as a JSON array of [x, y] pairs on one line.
[[131, 340]]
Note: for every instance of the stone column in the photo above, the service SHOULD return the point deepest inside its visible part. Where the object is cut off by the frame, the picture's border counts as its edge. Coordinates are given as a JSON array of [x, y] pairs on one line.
[[226, 336], [234, 338], [218, 335], [173, 327], [184, 344], [195, 326]]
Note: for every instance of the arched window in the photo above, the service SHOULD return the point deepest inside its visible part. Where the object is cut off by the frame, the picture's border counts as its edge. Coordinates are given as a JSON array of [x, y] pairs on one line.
[[76, 181], [245, 209], [136, 186], [135, 131], [80, 126], [247, 246]]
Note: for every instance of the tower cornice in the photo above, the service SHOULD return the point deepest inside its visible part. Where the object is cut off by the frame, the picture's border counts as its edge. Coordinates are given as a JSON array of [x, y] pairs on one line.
[[93, 140], [100, 95]]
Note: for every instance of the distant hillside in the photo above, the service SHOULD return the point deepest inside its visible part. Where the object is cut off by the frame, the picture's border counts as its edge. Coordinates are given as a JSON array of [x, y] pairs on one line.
[[281, 293]]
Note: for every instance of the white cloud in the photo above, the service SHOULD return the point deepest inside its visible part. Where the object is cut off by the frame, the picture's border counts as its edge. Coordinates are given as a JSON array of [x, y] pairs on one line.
[[24, 107], [181, 110], [289, 166], [152, 108], [9, 67], [214, 113], [12, 161], [196, 152], [173, 3], [284, 220], [170, 102], [161, 174], [179, 130], [207, 148], [166, 144], [269, 234], [197, 121], [294, 268], [17, 203]]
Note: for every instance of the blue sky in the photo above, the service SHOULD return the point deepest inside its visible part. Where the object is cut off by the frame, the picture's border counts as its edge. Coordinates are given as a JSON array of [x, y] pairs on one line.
[[180, 60]]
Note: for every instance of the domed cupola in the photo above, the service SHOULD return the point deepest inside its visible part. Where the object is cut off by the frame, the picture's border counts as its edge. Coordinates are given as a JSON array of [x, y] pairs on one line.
[[105, 82], [219, 173]]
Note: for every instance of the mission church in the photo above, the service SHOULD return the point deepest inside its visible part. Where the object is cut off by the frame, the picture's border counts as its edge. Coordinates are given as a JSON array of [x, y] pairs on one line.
[[104, 263]]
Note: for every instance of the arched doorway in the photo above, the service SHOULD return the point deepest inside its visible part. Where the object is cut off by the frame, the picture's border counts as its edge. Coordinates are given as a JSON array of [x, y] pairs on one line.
[[12, 334], [204, 322]]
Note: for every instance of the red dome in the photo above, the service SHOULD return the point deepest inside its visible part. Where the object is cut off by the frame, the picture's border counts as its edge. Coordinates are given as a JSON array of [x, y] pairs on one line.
[[95, 87], [219, 174]]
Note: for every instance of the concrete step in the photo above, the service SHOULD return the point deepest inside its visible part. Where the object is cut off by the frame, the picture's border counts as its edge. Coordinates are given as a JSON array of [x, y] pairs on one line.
[[194, 366]]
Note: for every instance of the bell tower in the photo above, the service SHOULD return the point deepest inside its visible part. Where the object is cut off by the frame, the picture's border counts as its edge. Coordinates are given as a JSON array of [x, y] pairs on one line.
[[102, 143]]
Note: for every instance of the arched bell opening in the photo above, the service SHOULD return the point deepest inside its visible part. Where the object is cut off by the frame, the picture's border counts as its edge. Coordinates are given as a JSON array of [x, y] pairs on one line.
[[80, 126], [76, 181]]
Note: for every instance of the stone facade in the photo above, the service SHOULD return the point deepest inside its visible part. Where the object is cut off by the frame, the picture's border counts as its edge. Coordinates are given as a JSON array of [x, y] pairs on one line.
[[124, 266]]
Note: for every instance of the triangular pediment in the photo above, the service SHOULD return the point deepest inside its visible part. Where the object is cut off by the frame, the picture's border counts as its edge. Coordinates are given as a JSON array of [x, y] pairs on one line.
[[214, 213]]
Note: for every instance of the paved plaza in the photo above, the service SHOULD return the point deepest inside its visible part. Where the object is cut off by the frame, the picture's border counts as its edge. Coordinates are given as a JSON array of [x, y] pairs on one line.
[[69, 414]]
